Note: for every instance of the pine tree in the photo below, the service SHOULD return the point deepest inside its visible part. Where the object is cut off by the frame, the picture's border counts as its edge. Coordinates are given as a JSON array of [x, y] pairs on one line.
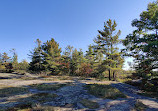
[[66, 60], [107, 41], [75, 62], [23, 65], [5, 58], [142, 44], [90, 55], [51, 56], [15, 60], [37, 58]]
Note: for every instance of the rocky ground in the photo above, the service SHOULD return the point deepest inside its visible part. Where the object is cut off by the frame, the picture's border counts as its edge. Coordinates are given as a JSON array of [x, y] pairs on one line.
[[69, 96]]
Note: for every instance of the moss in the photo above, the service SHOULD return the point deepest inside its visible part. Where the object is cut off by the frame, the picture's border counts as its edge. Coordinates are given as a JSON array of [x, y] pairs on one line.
[[89, 104], [47, 86], [12, 91], [104, 91]]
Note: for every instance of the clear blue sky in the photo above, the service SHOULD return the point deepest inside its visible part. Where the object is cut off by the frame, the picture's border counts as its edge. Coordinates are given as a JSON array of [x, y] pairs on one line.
[[69, 22]]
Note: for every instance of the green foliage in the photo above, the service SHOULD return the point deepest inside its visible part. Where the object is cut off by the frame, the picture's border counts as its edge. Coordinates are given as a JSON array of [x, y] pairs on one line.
[[51, 53], [107, 41], [24, 65], [15, 60], [142, 43], [37, 58]]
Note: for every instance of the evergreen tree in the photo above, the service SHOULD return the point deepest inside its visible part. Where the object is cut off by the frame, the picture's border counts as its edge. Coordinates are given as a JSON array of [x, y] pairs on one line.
[[0, 58], [81, 57], [75, 62], [5, 58], [67, 60], [37, 58], [90, 55], [15, 60], [51, 56], [107, 41], [24, 65], [142, 44], [6, 62]]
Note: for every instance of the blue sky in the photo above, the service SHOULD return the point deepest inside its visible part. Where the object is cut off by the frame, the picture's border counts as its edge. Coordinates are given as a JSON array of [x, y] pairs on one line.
[[69, 22]]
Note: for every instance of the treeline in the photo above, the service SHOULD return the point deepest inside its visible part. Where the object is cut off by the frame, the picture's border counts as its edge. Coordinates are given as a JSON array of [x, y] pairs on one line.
[[10, 64], [103, 57]]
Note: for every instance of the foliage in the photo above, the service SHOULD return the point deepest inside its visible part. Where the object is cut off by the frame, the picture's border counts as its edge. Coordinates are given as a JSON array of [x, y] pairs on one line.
[[36, 57], [51, 53], [142, 43], [24, 65], [107, 41]]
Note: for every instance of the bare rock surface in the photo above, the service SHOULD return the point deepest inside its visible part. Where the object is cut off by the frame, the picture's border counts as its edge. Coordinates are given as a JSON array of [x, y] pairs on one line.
[[69, 96]]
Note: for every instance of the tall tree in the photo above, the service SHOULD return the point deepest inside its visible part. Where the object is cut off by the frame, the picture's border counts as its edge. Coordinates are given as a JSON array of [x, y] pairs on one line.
[[37, 58], [5, 58], [15, 60], [75, 62], [107, 41], [67, 59], [23, 65], [90, 55], [142, 44], [51, 56]]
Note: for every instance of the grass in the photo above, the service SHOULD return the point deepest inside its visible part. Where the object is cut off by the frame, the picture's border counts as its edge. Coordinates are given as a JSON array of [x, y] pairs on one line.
[[29, 103], [45, 87], [29, 107], [10, 91], [89, 104], [104, 91], [43, 97], [56, 78]]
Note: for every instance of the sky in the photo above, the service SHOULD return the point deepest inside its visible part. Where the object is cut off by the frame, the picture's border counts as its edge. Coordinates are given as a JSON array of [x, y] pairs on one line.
[[69, 22]]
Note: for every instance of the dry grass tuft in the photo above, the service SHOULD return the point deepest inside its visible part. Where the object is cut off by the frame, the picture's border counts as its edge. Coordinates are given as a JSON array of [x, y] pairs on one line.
[[45, 87], [89, 104], [104, 91]]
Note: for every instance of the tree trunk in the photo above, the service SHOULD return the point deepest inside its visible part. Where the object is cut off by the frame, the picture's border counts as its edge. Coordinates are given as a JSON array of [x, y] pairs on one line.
[[114, 76], [109, 75]]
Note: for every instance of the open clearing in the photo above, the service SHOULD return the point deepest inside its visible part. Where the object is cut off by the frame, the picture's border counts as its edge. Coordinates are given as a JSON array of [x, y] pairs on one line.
[[28, 93]]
